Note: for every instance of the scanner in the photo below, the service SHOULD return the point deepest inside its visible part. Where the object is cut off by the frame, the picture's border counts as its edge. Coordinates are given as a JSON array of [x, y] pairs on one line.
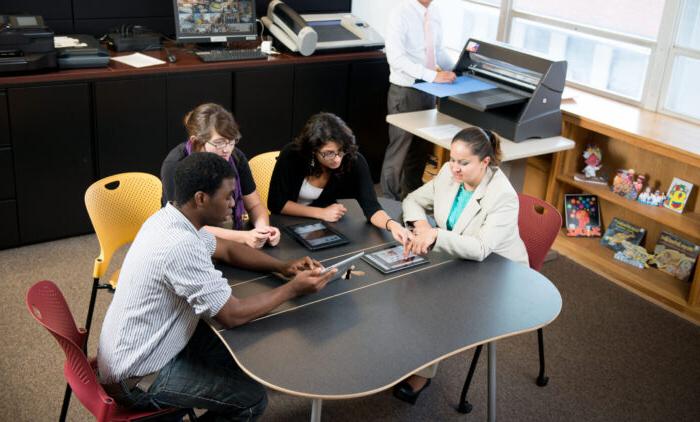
[[311, 33], [26, 44], [290, 29], [525, 96]]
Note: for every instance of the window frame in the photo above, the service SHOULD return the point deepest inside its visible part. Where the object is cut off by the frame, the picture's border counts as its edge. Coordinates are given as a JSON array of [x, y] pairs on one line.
[[663, 51]]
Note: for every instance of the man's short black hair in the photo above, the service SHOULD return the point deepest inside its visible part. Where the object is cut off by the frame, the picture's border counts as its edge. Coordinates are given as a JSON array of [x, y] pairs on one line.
[[200, 171]]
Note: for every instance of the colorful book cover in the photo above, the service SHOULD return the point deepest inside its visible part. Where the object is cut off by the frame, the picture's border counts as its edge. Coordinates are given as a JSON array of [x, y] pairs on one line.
[[677, 195], [620, 230], [675, 255], [582, 215]]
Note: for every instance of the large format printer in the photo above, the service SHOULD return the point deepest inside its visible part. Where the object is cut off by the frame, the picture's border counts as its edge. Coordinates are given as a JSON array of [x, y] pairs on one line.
[[524, 98], [26, 44], [326, 32]]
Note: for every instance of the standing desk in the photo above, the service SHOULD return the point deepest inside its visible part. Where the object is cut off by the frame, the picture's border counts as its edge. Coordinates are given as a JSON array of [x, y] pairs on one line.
[[514, 160], [360, 336]]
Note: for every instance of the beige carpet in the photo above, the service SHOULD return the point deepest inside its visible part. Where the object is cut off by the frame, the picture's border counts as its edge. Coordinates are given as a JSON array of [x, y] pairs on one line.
[[611, 356]]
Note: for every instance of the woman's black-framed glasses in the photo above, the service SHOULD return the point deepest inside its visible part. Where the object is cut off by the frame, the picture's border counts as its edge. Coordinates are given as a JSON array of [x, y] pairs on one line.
[[330, 155], [223, 143]]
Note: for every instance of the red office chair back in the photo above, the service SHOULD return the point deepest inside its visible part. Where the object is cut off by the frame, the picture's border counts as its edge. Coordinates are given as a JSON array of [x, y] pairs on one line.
[[539, 223], [48, 306]]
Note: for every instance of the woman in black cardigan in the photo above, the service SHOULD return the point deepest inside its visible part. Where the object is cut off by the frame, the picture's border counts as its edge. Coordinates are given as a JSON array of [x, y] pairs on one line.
[[321, 166]]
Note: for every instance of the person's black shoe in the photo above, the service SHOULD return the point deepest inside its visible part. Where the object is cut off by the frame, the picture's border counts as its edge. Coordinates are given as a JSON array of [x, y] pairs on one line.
[[404, 392]]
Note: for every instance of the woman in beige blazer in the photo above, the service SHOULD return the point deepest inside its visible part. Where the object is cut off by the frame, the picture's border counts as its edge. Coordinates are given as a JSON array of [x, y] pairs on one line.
[[476, 211]]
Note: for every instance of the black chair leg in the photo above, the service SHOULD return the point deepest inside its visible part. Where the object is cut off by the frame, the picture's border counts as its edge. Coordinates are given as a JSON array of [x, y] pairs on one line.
[[91, 308], [88, 322], [66, 403], [464, 406], [542, 379]]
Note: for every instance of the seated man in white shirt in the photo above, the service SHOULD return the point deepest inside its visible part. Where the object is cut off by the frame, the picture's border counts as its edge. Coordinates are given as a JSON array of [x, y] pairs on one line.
[[154, 350]]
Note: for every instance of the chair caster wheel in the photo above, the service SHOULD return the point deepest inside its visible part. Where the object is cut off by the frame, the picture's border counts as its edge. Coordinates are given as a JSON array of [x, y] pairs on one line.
[[542, 381], [464, 407]]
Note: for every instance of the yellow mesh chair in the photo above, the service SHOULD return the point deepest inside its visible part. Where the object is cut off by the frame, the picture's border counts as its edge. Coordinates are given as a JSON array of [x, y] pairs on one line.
[[118, 205], [261, 166]]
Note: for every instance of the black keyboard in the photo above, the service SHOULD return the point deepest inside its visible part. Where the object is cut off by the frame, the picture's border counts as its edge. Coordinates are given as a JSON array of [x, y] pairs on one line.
[[229, 55]]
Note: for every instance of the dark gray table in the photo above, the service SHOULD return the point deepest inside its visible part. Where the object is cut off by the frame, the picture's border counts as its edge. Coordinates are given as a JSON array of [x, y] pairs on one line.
[[360, 336]]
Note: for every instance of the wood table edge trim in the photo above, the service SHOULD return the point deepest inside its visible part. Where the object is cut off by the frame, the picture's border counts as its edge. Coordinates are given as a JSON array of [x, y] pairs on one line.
[[378, 389]]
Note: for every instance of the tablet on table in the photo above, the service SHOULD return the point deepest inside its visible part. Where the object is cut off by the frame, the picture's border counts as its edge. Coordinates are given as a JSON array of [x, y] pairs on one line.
[[391, 259], [316, 235]]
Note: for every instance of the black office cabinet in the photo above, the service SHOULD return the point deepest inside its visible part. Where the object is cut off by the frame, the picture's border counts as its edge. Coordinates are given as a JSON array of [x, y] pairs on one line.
[[187, 91], [4, 121], [262, 106], [98, 17], [52, 159], [48, 9], [9, 234], [117, 9], [7, 174], [319, 87], [369, 85], [131, 125]]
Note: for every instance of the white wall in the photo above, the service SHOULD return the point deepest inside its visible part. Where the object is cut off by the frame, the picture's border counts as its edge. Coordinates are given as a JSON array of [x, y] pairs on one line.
[[375, 12]]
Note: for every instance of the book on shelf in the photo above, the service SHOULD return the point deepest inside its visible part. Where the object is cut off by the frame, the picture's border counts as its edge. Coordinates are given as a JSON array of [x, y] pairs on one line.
[[620, 230], [596, 180], [677, 195], [582, 215], [634, 255], [675, 255]]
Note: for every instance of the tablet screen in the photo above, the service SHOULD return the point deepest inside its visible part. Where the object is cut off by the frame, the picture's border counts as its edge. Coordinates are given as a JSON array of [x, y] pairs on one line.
[[316, 234], [391, 259]]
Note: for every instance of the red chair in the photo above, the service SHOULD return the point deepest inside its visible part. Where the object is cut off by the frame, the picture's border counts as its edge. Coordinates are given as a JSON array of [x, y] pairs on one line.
[[48, 306], [538, 223]]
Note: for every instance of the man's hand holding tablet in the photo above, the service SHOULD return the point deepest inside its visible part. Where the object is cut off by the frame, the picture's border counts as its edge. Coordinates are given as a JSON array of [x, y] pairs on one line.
[[342, 267], [311, 281], [298, 265]]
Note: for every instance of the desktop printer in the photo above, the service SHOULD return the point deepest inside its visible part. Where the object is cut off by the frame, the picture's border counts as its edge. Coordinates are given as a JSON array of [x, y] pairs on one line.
[[80, 51], [319, 32], [25, 44], [523, 97]]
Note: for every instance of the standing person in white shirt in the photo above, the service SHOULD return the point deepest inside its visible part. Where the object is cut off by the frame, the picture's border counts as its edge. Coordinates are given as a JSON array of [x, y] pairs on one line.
[[414, 52]]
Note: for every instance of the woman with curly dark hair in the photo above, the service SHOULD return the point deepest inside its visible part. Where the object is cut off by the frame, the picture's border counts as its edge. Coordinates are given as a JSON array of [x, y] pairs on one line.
[[321, 166]]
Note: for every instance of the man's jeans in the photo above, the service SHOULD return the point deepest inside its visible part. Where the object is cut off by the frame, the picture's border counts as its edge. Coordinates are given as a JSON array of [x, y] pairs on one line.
[[204, 376]]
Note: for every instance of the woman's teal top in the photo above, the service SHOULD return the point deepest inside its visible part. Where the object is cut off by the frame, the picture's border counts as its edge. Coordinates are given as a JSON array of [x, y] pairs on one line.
[[461, 200]]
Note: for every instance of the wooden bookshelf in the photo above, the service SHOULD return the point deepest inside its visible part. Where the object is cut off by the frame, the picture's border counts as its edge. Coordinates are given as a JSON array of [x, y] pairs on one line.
[[688, 222], [657, 146], [655, 283]]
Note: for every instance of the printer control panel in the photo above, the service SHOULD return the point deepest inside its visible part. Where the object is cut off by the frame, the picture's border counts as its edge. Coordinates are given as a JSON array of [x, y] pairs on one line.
[[21, 22]]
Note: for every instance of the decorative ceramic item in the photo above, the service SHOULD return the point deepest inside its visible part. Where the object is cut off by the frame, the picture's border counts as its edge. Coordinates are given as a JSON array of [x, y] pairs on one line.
[[594, 162], [646, 197], [636, 187], [623, 183]]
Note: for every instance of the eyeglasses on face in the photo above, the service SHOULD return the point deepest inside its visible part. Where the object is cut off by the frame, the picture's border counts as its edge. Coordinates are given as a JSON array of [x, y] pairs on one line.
[[330, 155], [223, 143]]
